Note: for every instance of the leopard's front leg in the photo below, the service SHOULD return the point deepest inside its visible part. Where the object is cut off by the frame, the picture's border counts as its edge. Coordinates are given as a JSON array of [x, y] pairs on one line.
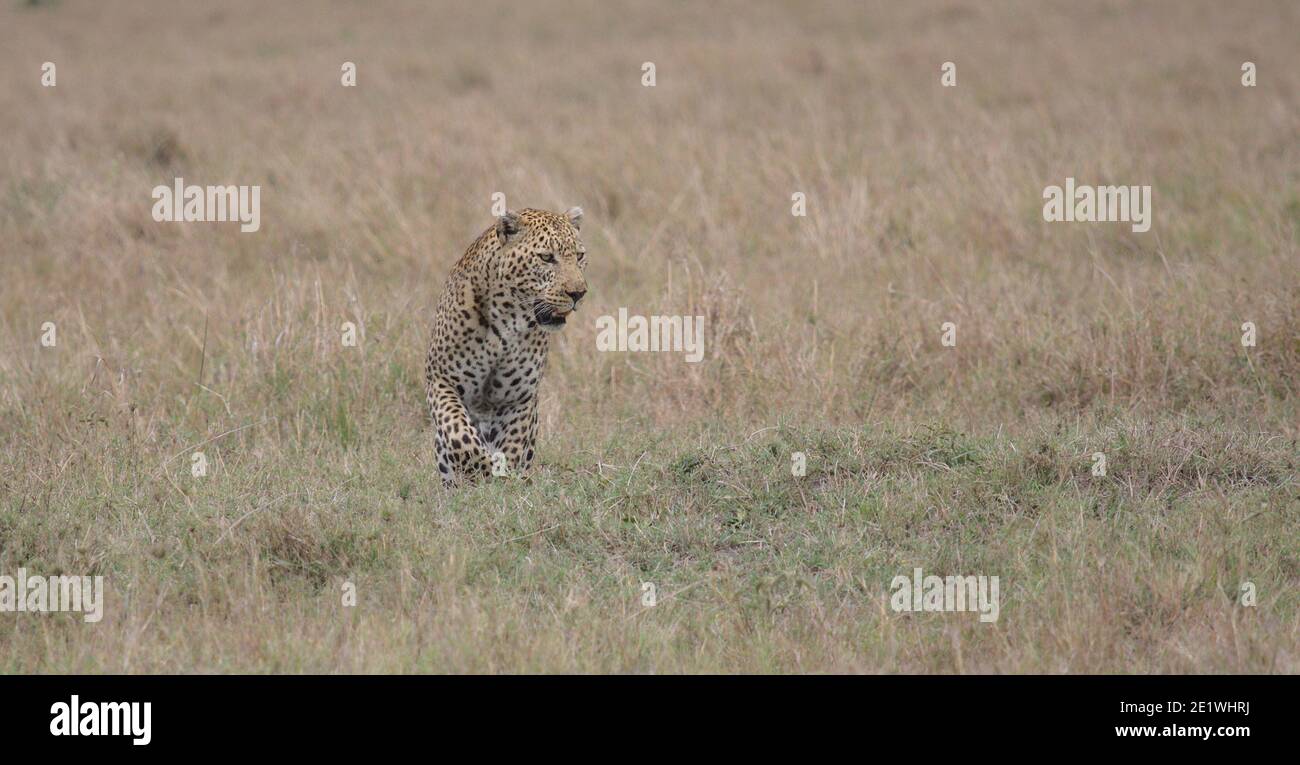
[[511, 436], [461, 452]]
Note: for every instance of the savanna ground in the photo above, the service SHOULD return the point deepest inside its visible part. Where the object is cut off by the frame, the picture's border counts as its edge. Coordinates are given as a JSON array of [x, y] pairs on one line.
[[924, 207]]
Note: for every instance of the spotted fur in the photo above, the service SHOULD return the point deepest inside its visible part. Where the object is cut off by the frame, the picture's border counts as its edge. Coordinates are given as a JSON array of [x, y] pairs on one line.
[[515, 286]]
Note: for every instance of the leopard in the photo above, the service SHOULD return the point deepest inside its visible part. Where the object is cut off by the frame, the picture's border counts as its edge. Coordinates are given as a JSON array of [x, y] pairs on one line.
[[516, 287]]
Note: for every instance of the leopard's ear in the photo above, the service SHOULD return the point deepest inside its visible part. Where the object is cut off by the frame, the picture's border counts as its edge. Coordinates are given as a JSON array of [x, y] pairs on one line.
[[575, 216], [507, 226]]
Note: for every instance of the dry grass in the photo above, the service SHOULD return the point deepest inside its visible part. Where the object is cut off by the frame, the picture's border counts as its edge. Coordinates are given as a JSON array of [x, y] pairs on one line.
[[924, 207]]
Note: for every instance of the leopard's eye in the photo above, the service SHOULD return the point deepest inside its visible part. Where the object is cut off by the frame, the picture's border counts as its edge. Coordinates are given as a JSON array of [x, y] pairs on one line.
[[546, 257]]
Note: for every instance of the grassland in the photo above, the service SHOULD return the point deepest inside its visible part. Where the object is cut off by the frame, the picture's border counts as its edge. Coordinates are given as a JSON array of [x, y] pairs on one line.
[[924, 207]]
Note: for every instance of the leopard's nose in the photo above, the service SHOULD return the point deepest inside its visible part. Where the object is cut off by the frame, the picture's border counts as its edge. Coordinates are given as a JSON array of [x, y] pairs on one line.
[[575, 296]]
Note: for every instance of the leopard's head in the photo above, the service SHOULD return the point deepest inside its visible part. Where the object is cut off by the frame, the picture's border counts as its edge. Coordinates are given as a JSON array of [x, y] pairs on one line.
[[541, 260]]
